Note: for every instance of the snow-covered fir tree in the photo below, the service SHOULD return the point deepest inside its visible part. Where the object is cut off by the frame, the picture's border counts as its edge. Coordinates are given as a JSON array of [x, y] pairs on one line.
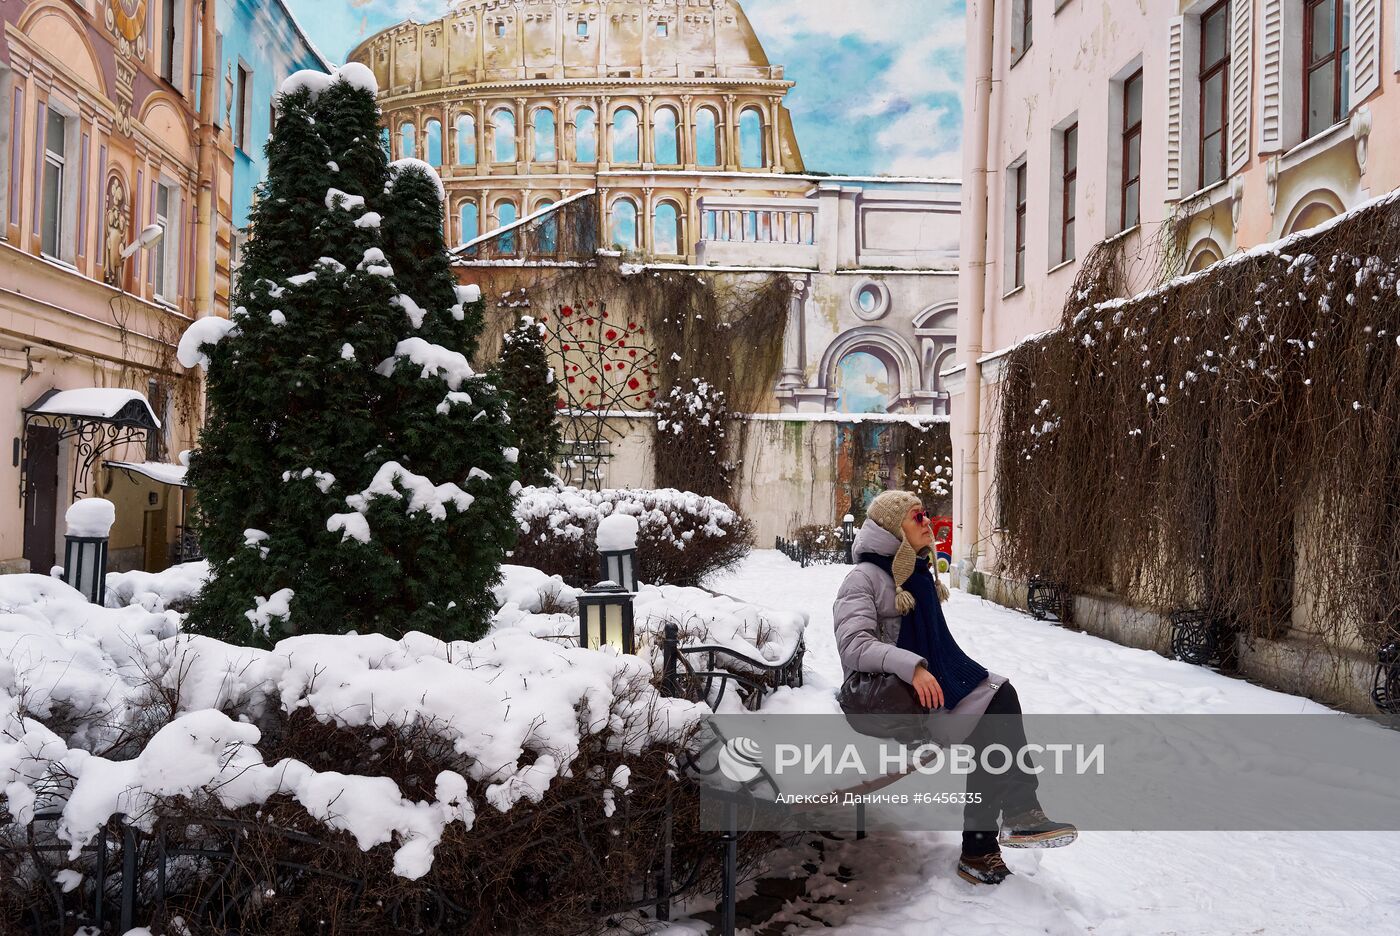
[[353, 472], [523, 374]]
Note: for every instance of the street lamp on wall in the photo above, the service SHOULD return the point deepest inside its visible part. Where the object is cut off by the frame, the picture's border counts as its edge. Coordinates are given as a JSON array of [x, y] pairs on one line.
[[147, 238]]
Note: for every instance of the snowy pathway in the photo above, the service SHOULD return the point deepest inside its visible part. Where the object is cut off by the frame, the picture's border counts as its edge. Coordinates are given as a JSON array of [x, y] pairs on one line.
[[1107, 883]]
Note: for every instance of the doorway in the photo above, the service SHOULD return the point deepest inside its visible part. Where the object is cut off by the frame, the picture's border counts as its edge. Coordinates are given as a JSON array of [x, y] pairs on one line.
[[40, 497]]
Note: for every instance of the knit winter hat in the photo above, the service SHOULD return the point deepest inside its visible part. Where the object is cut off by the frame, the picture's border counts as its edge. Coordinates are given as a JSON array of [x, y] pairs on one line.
[[889, 510]]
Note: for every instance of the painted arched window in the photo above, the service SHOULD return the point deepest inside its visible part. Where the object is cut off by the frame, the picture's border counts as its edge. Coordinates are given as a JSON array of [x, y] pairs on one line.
[[503, 129], [666, 232], [751, 139], [667, 152], [706, 137], [543, 132], [505, 214], [468, 222], [863, 384], [408, 147], [466, 140], [625, 146], [548, 228], [585, 135], [384, 142], [624, 225], [432, 143]]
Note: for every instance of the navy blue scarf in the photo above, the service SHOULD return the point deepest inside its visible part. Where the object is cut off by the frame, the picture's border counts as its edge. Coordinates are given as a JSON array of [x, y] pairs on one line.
[[925, 631]]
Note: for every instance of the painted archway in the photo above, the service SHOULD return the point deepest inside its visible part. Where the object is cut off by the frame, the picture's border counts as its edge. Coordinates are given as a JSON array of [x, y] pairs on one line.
[[898, 357]]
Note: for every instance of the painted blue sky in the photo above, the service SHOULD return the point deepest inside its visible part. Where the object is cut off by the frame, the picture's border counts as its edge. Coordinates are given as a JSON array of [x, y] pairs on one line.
[[879, 82]]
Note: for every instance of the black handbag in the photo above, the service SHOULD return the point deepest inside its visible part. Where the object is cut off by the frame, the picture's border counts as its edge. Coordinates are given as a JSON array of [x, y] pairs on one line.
[[878, 694], [881, 705]]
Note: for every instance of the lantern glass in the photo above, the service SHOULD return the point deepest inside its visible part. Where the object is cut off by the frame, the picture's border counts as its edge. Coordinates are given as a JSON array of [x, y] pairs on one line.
[[85, 566], [619, 566], [613, 630], [592, 625]]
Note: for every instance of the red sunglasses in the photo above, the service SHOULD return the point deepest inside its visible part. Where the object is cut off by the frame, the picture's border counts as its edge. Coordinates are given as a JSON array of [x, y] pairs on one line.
[[921, 517]]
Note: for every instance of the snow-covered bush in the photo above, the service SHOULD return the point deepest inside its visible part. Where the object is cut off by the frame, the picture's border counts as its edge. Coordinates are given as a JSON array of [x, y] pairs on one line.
[[417, 765], [682, 538], [172, 589], [823, 542], [691, 444]]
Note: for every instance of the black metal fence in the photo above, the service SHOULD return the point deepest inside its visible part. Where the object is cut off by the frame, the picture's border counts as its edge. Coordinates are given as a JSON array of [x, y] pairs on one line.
[[804, 554]]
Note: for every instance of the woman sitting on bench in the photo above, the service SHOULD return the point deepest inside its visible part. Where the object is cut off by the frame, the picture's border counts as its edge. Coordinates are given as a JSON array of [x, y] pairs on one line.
[[889, 619]]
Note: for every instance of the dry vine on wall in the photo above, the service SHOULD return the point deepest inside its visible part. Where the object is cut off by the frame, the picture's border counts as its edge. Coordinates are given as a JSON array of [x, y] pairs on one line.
[[717, 344], [1227, 441]]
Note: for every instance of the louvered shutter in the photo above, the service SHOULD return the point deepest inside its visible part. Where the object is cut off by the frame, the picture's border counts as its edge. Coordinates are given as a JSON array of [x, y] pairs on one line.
[[1175, 87], [1365, 49], [1271, 78], [1241, 75]]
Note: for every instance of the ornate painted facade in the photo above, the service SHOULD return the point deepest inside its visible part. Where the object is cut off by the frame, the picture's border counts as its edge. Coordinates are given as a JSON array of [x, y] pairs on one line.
[[670, 111], [98, 142]]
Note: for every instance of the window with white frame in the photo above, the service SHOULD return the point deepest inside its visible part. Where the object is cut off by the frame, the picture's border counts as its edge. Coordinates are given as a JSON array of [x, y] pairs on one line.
[[1021, 31], [1016, 204], [1210, 108], [1064, 182], [9, 169], [1326, 63], [172, 41], [243, 108], [55, 200], [1130, 153], [165, 254], [1321, 59]]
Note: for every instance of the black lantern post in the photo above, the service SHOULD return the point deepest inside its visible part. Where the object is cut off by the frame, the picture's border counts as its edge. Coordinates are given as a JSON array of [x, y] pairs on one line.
[[1386, 690], [85, 546], [848, 536], [617, 550], [605, 618]]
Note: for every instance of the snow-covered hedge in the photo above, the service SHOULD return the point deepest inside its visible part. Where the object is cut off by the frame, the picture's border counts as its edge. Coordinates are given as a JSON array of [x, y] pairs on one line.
[[113, 710], [682, 537]]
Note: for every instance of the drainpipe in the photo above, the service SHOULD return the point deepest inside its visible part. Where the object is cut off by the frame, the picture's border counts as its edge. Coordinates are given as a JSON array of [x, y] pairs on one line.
[[977, 258], [204, 220]]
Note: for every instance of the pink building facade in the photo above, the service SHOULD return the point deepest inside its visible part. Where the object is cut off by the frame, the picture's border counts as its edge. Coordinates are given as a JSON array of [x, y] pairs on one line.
[[99, 142], [1191, 130]]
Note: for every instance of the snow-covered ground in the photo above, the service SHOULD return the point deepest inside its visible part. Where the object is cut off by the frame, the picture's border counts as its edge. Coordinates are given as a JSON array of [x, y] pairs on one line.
[[1107, 883]]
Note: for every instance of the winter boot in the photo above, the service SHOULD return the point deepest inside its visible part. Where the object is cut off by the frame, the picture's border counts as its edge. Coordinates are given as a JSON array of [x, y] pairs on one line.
[[1033, 829], [983, 869]]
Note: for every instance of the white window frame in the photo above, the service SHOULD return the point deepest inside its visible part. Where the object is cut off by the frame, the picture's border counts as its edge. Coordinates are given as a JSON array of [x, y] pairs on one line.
[[66, 159], [7, 144], [165, 255], [1019, 9], [1057, 190], [177, 45], [1009, 284]]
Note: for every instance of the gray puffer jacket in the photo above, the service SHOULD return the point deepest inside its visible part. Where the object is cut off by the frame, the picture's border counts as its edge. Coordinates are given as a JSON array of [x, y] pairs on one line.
[[867, 624]]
